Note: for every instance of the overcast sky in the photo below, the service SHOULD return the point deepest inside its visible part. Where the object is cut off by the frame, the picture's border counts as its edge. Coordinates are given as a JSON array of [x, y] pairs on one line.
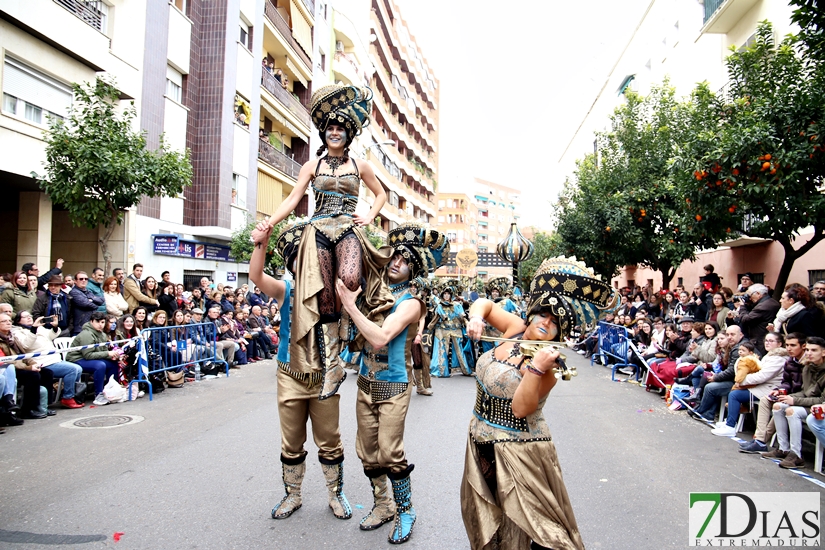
[[516, 80]]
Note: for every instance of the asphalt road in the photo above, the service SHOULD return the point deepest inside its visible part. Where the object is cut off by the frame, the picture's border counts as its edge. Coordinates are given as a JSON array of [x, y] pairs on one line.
[[201, 470]]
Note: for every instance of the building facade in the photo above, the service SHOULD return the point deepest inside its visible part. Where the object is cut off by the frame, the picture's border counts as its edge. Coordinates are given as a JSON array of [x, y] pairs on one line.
[[231, 81], [688, 42]]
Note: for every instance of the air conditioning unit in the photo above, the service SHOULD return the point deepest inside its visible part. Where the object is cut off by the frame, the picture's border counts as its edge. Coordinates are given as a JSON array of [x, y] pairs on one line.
[[339, 46]]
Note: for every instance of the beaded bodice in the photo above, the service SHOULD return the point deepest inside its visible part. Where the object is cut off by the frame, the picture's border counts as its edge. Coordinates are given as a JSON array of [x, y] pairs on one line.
[[497, 384], [336, 193]]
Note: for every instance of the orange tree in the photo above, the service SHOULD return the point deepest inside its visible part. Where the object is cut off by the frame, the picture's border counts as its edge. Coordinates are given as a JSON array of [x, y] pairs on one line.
[[629, 209], [589, 224], [755, 161]]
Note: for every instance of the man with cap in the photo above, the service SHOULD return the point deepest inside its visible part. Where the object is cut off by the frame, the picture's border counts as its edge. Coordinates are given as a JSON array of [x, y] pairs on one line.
[[383, 377], [298, 387], [54, 305]]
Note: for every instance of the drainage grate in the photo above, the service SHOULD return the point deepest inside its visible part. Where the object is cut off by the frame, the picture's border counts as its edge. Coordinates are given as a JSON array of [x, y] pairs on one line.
[[103, 421]]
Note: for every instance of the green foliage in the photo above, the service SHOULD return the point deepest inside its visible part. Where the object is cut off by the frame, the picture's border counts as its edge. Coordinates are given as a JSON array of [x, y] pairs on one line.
[[626, 209], [97, 167], [756, 163], [811, 21], [545, 245], [241, 245], [374, 236]]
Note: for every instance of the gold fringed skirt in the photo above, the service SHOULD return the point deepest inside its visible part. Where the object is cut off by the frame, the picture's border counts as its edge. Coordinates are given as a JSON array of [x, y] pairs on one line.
[[530, 504]]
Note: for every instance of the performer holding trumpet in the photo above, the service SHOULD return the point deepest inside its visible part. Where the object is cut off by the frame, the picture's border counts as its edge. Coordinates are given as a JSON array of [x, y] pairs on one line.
[[512, 493]]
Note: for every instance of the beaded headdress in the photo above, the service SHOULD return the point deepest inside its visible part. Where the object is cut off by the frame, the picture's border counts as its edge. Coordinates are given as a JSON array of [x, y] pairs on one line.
[[571, 291], [502, 284], [347, 106], [424, 249]]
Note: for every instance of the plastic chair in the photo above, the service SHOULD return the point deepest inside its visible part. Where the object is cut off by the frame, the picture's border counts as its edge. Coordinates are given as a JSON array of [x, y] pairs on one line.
[[61, 343]]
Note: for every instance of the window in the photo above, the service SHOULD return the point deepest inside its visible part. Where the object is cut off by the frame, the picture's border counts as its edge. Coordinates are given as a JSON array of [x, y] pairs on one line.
[[323, 62], [441, 219], [180, 4], [441, 204], [393, 198], [815, 275], [30, 94], [244, 38], [174, 84], [239, 190]]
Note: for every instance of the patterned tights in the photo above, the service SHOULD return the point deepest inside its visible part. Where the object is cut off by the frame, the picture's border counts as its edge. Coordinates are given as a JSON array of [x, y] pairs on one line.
[[348, 258]]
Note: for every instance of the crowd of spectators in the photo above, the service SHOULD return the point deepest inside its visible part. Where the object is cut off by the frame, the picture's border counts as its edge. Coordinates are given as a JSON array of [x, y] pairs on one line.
[[713, 344], [36, 310]]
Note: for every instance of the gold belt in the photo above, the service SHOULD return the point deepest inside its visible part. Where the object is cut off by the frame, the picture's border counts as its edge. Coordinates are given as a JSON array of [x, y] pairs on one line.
[[310, 379], [380, 390]]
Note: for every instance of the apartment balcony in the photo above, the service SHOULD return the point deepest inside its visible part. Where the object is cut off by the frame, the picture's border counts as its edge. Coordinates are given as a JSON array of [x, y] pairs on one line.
[[310, 4], [273, 86], [272, 15], [278, 160], [722, 15], [92, 13]]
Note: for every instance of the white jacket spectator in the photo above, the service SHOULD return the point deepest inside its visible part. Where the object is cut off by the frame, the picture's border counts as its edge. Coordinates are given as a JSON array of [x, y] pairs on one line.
[[115, 302]]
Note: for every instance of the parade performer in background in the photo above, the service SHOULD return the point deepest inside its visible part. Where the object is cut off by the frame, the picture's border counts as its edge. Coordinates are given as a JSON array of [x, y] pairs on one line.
[[496, 290], [298, 386], [334, 245], [512, 494], [383, 379], [423, 343], [448, 335]]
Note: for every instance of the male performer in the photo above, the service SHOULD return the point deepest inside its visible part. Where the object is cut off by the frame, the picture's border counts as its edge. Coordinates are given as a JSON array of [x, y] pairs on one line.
[[384, 376], [298, 387]]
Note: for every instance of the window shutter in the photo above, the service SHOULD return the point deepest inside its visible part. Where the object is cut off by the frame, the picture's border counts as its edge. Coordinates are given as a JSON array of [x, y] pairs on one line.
[[36, 88]]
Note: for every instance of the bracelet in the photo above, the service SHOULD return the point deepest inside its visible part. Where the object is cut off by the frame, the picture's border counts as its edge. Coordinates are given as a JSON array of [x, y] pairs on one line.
[[478, 317], [534, 370]]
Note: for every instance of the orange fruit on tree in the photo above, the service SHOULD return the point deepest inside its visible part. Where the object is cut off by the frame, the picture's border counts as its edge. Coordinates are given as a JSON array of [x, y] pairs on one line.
[[698, 217], [765, 166]]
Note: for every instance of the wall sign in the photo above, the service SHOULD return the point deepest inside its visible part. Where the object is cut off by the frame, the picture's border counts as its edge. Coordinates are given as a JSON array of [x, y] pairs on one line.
[[172, 245]]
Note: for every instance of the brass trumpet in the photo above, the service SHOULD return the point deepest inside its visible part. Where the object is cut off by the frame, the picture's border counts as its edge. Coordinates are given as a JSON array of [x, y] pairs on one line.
[[529, 348]]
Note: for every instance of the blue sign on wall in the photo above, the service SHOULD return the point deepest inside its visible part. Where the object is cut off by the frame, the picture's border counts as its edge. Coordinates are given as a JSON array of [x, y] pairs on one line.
[[172, 245]]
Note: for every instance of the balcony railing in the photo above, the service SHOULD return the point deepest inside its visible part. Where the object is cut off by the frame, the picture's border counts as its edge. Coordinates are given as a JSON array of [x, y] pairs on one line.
[[285, 97], [710, 8], [277, 159], [90, 12], [310, 4], [275, 18]]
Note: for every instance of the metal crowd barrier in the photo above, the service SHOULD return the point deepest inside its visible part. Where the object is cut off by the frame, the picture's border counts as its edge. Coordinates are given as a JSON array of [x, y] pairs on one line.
[[614, 343], [162, 349]]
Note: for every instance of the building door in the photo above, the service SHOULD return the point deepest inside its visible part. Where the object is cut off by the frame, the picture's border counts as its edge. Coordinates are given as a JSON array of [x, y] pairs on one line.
[[192, 277]]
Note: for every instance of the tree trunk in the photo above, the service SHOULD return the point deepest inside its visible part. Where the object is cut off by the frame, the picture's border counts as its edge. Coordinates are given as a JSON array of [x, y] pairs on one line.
[[667, 276], [104, 245], [791, 255]]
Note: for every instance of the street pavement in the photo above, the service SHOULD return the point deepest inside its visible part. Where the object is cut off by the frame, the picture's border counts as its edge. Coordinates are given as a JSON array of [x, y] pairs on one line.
[[201, 471]]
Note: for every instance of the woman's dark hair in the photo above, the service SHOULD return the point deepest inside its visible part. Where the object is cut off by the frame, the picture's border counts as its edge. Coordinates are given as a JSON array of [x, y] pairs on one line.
[[18, 316], [799, 294], [672, 328], [714, 325], [127, 333], [726, 292]]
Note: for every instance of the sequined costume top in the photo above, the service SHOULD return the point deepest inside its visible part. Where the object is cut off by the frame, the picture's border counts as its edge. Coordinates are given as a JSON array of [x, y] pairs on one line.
[[449, 316], [493, 420], [335, 199]]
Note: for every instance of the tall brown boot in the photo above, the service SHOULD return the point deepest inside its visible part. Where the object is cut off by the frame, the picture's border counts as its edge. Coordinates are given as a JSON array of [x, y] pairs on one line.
[[334, 477]]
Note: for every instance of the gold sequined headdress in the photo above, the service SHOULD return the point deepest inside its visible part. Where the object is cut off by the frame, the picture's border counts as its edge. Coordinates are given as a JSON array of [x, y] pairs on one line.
[[425, 249], [347, 106], [571, 291]]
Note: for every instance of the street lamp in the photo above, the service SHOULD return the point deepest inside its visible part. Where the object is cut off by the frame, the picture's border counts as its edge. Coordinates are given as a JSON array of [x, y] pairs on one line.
[[515, 249]]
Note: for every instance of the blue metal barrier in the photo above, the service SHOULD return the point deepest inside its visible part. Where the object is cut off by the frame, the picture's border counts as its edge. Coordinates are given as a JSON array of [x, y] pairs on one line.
[[162, 349], [614, 343]]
